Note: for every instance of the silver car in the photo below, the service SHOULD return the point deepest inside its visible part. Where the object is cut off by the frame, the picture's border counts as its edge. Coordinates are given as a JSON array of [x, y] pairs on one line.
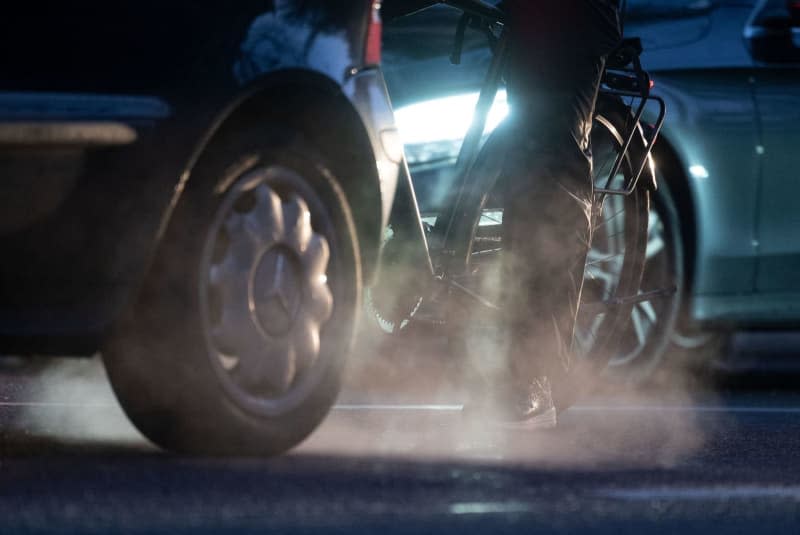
[[724, 226]]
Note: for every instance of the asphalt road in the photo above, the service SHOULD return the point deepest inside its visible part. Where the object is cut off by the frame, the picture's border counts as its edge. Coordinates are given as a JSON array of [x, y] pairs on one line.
[[395, 457]]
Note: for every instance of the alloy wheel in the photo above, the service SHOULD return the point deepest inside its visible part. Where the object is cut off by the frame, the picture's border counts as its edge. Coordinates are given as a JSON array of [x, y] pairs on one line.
[[266, 296]]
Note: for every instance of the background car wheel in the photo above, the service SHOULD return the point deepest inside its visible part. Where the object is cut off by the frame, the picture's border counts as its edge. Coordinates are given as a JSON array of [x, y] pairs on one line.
[[237, 341]]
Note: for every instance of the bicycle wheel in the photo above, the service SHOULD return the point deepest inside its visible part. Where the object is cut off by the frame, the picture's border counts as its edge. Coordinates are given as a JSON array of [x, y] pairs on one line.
[[614, 265]]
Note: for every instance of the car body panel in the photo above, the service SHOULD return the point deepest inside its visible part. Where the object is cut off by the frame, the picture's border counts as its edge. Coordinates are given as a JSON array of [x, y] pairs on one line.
[[778, 98], [705, 77], [745, 218], [735, 144], [712, 116]]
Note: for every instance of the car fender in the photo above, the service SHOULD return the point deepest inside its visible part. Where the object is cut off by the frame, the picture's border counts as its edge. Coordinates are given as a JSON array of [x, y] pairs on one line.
[[368, 177]]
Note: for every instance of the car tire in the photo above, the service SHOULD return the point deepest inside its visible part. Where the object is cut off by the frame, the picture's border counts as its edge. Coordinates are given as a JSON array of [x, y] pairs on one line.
[[237, 341]]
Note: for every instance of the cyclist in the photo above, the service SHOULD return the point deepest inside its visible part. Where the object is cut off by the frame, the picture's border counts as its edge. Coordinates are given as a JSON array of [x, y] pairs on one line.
[[557, 55]]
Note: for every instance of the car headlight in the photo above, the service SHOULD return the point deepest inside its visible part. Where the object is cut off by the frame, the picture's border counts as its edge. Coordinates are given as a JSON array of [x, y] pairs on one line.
[[432, 130]]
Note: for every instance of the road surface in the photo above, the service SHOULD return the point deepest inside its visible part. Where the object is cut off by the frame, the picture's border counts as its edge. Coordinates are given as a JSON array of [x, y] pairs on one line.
[[395, 457]]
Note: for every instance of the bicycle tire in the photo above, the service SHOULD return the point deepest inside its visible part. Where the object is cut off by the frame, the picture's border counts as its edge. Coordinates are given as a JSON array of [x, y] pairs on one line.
[[476, 245]]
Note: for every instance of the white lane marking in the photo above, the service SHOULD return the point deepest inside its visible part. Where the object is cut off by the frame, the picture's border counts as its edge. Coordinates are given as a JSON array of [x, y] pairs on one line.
[[341, 407], [580, 408], [54, 404], [685, 408], [703, 493], [489, 508], [389, 407], [457, 407]]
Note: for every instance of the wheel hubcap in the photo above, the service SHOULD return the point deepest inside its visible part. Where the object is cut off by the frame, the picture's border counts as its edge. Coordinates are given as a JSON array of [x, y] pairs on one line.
[[276, 294], [267, 296]]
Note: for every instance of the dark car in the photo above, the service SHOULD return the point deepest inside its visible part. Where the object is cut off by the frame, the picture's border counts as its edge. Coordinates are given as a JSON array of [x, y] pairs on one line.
[[723, 225], [199, 190]]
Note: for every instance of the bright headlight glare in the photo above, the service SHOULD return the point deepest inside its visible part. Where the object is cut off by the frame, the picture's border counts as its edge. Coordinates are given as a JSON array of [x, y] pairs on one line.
[[445, 119]]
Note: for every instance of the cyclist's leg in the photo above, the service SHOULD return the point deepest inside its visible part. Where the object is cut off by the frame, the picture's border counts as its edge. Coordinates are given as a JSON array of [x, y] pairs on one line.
[[547, 236], [557, 57]]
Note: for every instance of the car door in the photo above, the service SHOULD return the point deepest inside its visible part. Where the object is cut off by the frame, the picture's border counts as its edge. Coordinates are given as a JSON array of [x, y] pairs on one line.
[[773, 36]]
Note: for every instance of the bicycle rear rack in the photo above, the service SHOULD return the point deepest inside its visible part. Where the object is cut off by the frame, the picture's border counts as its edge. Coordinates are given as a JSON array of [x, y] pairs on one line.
[[633, 82]]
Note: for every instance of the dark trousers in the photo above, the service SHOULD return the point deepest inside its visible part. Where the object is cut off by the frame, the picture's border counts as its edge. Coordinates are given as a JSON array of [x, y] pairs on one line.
[[558, 50]]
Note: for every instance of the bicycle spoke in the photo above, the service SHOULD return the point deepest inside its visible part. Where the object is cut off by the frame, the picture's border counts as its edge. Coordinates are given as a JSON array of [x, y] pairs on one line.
[[604, 260], [607, 220], [649, 311], [638, 327], [493, 219]]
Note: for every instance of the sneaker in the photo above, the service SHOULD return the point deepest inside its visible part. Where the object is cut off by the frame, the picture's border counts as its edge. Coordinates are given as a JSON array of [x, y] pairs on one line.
[[518, 406]]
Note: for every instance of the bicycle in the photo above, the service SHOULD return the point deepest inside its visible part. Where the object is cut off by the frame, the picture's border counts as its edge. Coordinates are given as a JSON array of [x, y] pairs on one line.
[[458, 253]]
